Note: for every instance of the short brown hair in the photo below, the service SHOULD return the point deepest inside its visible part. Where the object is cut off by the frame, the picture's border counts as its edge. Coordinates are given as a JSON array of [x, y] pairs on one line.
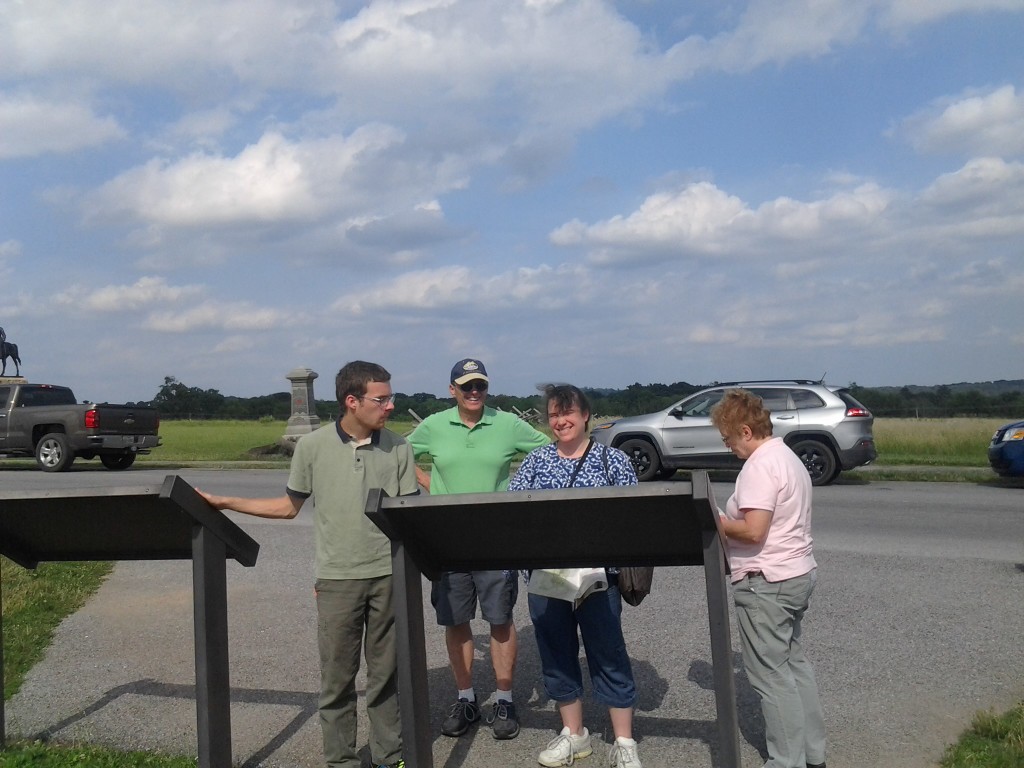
[[353, 378], [737, 408], [565, 397]]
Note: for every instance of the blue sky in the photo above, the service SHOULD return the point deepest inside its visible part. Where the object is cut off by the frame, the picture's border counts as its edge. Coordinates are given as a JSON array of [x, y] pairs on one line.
[[595, 192]]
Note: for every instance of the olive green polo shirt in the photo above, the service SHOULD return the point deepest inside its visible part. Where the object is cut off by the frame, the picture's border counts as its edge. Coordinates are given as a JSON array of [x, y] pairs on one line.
[[338, 472]]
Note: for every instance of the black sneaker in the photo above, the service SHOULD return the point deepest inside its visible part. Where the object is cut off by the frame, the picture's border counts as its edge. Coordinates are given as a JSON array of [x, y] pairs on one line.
[[463, 713], [503, 720], [399, 764]]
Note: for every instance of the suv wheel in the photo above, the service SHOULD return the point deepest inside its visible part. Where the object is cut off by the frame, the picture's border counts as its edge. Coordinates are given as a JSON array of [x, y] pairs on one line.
[[644, 456], [819, 460]]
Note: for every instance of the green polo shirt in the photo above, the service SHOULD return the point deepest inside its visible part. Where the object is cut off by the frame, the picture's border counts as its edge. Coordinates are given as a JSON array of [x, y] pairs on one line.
[[473, 460], [329, 466]]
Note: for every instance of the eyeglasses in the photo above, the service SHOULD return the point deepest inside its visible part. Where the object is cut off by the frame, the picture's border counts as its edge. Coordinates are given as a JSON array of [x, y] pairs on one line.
[[383, 402], [738, 437], [470, 386]]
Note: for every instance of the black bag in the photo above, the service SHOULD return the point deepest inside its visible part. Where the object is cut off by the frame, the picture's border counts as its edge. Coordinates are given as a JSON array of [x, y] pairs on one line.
[[635, 583]]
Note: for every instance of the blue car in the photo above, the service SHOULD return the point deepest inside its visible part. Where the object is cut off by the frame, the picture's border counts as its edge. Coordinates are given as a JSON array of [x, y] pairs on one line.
[[1006, 451]]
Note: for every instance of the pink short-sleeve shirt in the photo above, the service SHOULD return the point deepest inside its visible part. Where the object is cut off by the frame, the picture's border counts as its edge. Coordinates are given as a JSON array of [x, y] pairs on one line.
[[774, 479]]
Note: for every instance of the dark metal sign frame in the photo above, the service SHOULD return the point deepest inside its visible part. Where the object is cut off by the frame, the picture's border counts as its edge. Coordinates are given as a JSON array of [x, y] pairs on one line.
[[659, 524], [153, 522]]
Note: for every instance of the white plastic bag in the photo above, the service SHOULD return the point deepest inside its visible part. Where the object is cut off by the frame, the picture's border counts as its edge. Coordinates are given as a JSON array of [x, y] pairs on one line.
[[572, 584]]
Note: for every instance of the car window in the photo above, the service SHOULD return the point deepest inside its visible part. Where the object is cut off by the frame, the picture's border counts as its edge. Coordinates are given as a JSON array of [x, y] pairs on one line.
[[850, 400], [5, 392], [804, 398], [32, 396], [701, 405], [774, 400]]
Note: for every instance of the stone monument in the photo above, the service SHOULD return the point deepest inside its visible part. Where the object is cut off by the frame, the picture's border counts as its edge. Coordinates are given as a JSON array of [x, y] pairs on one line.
[[303, 419]]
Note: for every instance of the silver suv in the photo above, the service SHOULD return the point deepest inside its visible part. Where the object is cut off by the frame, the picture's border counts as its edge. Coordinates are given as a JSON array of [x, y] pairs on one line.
[[824, 425]]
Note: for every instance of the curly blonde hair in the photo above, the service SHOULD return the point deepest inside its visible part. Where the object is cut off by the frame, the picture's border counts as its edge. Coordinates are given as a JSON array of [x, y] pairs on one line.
[[738, 407]]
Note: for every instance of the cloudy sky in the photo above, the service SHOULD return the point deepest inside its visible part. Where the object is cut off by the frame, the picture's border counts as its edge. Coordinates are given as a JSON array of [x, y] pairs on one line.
[[594, 191]]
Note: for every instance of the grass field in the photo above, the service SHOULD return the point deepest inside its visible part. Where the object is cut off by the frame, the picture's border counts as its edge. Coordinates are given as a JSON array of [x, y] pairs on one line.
[[939, 442], [188, 441], [933, 442]]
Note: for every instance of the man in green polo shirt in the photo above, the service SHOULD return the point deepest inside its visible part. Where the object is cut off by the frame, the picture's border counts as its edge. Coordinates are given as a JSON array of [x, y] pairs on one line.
[[471, 448], [337, 465]]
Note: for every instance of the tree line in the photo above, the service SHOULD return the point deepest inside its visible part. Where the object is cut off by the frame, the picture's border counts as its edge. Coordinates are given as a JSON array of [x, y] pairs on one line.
[[1005, 399]]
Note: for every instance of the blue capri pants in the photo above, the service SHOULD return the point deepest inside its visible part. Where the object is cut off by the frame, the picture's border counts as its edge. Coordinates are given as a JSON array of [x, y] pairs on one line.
[[599, 621]]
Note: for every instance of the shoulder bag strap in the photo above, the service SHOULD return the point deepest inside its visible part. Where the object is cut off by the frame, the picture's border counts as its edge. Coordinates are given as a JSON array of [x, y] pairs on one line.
[[579, 464]]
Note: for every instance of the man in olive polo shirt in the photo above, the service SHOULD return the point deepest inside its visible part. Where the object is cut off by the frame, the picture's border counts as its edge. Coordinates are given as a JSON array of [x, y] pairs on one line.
[[471, 448], [337, 465]]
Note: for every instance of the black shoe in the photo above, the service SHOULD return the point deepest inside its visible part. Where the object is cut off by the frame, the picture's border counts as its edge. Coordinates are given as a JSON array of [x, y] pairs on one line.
[[504, 721], [460, 716], [815, 765], [399, 764]]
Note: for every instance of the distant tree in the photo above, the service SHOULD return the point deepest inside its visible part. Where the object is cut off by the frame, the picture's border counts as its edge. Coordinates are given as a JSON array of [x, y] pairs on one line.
[[176, 400]]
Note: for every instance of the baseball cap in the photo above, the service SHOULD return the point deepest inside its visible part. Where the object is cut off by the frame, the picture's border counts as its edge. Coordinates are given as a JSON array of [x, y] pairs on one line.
[[468, 370]]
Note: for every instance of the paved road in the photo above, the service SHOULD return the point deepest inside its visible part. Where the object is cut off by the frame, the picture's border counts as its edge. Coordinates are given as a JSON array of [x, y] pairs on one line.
[[917, 623]]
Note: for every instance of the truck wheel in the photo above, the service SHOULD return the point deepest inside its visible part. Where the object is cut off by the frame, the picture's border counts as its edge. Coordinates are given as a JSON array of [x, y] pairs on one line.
[[819, 460], [118, 460], [53, 453], [644, 457]]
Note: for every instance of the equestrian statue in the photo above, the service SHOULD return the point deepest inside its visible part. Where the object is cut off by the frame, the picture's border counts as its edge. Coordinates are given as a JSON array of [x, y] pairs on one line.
[[9, 349]]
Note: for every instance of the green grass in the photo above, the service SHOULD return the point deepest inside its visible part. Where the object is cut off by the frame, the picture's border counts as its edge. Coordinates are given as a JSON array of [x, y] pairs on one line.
[[34, 602], [927, 442], [225, 441], [992, 741], [51, 756], [959, 442]]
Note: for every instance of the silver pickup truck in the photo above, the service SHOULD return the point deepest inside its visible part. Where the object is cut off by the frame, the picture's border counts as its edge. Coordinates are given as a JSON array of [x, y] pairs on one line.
[[46, 421]]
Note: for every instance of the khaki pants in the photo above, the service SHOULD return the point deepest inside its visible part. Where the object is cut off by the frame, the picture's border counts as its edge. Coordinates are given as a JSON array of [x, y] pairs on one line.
[[354, 613], [769, 617]]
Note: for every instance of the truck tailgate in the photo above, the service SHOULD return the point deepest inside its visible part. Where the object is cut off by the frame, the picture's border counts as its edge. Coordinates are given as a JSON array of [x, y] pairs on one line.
[[127, 420]]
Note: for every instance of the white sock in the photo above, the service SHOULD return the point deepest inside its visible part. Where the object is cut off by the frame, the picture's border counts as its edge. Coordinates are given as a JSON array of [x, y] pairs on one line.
[[467, 694], [505, 696], [625, 742]]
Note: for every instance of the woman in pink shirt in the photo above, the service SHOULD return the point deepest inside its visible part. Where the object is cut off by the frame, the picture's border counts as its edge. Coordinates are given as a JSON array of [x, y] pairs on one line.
[[767, 524]]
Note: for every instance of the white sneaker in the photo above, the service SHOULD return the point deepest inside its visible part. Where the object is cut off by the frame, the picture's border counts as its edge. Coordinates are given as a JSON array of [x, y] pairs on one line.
[[565, 748], [623, 754]]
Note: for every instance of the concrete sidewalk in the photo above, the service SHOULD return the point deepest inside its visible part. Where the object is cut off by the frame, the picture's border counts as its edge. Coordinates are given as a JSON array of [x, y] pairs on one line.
[[897, 681]]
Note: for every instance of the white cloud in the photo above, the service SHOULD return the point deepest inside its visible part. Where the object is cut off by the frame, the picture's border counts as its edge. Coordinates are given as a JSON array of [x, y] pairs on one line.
[[236, 316], [142, 294], [9, 250], [198, 42], [455, 290], [907, 13], [779, 31], [775, 31], [550, 64], [232, 344], [266, 181], [701, 219], [273, 180], [987, 192], [977, 123], [30, 127], [690, 218]]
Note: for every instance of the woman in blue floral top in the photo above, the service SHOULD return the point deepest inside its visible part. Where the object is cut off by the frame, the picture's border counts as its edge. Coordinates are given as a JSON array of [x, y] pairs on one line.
[[575, 460]]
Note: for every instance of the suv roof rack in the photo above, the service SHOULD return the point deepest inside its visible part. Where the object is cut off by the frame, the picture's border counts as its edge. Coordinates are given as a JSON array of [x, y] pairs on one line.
[[764, 381]]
